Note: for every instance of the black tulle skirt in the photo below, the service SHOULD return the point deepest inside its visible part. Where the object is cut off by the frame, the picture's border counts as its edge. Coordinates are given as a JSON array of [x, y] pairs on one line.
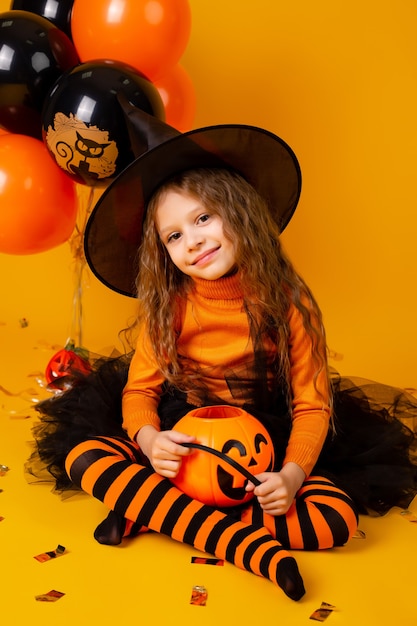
[[371, 453]]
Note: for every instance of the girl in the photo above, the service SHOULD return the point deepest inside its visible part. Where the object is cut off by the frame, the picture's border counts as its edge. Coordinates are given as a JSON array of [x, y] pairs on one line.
[[224, 319]]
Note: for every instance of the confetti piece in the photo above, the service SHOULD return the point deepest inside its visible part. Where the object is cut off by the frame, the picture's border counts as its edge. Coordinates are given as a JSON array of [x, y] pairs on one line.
[[47, 556], [23, 322], [199, 596], [30, 395], [1, 518], [323, 612], [3, 470], [409, 516], [359, 534], [19, 416], [51, 596], [206, 561]]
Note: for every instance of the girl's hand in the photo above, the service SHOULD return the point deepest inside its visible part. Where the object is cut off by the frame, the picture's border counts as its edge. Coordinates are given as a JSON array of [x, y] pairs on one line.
[[164, 449], [278, 489]]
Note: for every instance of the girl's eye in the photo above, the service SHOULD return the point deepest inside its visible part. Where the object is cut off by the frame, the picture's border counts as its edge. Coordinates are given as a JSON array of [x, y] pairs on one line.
[[203, 218], [173, 237]]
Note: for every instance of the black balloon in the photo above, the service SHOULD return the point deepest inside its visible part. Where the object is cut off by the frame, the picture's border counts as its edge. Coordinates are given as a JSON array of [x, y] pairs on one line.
[[57, 11], [34, 53], [85, 124]]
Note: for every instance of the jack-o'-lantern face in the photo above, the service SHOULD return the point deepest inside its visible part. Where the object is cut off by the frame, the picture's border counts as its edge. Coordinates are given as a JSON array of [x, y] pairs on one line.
[[234, 433], [67, 363], [253, 459]]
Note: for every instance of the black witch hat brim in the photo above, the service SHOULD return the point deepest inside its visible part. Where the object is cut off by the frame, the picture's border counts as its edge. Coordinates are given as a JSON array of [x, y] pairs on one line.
[[114, 229]]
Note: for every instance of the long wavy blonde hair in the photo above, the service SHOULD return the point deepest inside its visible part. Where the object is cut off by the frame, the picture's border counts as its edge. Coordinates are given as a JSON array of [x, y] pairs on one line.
[[268, 278]]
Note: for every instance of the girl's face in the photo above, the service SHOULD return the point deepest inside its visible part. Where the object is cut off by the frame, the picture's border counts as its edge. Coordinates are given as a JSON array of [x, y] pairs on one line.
[[194, 237]]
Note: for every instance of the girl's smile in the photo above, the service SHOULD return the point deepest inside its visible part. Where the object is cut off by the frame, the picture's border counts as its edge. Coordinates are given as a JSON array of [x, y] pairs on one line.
[[205, 257], [194, 237]]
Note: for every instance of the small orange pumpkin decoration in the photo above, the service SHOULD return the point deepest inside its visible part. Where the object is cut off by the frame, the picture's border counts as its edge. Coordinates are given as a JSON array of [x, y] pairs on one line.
[[68, 362], [230, 433]]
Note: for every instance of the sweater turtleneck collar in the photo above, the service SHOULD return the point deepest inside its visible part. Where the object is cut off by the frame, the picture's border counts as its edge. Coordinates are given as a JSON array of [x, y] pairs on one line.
[[226, 288]]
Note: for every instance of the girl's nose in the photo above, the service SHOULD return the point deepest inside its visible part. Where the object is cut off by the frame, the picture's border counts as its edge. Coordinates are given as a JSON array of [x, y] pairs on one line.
[[194, 239]]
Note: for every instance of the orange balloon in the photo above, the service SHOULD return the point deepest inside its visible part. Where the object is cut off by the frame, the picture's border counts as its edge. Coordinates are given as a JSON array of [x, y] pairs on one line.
[[150, 35], [38, 202], [178, 96]]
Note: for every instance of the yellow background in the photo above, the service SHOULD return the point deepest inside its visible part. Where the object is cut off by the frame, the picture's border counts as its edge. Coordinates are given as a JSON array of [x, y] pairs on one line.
[[337, 80]]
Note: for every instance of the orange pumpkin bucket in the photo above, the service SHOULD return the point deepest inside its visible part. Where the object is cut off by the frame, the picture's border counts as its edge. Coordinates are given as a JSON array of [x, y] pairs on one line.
[[231, 447]]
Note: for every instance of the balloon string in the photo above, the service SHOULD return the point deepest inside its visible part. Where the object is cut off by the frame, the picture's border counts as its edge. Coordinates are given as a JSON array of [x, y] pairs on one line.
[[76, 332], [77, 249]]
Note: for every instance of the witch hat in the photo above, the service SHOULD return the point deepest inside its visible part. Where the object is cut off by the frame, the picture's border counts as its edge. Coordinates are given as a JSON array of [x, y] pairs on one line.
[[114, 229]]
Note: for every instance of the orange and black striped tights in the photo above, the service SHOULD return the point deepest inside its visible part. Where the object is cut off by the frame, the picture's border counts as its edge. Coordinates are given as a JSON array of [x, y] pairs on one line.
[[111, 469]]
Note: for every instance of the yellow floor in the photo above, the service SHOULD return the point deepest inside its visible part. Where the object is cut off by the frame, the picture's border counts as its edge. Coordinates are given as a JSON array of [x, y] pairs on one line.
[[149, 579]]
